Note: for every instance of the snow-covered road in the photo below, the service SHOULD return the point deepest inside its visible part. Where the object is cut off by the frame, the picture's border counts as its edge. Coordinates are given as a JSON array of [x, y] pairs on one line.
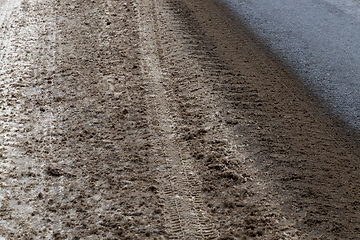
[[6, 7]]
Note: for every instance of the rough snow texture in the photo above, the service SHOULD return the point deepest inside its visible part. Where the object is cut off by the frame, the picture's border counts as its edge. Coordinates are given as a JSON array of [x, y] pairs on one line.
[[160, 120]]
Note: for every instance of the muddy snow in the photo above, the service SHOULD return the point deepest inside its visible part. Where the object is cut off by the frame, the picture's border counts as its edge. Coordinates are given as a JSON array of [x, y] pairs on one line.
[[144, 119]]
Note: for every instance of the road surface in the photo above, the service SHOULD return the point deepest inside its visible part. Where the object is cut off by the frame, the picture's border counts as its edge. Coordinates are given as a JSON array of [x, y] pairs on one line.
[[319, 39], [162, 119]]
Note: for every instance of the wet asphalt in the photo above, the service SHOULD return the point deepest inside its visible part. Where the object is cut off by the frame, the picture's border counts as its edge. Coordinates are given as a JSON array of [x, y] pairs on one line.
[[319, 40]]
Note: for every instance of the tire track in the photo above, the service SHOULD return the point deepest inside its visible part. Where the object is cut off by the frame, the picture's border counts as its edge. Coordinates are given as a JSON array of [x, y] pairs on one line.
[[294, 147], [234, 191], [180, 185]]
